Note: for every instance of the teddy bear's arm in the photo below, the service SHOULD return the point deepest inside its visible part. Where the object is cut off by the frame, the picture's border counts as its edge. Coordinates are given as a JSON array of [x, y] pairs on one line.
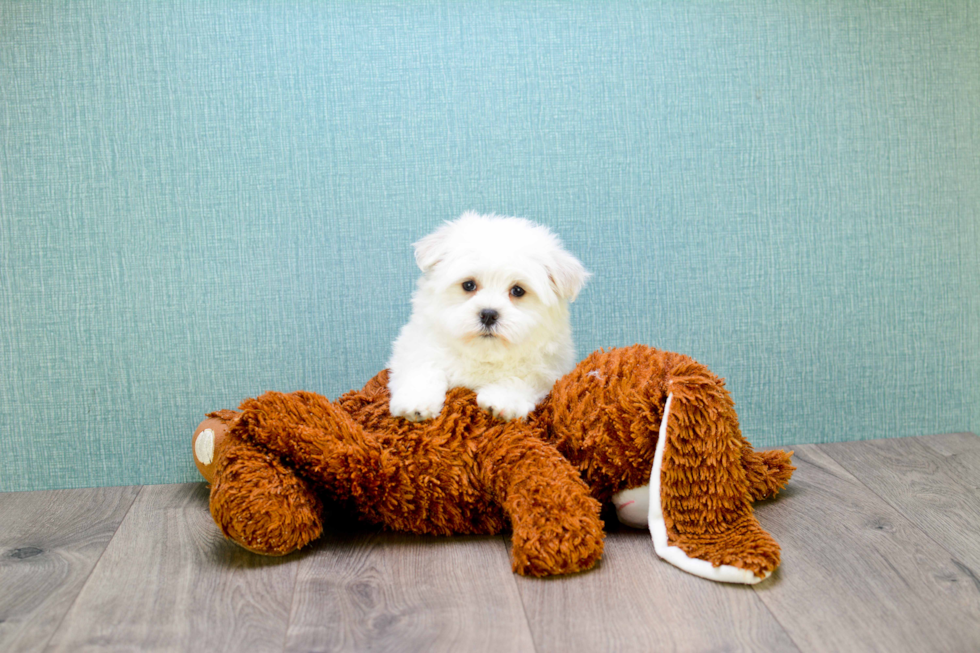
[[319, 439], [554, 518]]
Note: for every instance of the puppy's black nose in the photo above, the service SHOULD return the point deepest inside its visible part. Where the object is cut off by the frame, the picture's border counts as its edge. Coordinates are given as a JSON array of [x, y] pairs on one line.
[[488, 317]]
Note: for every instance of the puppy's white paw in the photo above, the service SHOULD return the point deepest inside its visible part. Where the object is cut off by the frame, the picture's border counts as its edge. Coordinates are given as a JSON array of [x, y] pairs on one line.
[[505, 403], [417, 403]]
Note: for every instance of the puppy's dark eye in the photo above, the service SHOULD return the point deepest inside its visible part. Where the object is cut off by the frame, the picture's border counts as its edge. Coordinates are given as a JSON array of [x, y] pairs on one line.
[[469, 285], [517, 291]]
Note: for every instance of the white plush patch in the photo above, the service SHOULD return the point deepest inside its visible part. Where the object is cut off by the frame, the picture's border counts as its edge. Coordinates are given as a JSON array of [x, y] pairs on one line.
[[204, 447], [633, 506], [658, 527]]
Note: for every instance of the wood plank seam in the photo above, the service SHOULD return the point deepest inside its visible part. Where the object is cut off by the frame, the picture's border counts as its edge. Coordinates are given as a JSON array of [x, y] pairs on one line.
[[520, 595], [898, 508], [91, 571], [828, 449], [896, 575], [292, 607], [759, 589], [758, 597]]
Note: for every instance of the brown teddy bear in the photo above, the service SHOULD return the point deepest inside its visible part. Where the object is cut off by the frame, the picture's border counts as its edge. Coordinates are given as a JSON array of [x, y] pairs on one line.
[[654, 432]]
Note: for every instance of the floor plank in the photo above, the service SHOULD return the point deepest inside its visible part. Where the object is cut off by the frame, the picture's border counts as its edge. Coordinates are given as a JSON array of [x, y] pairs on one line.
[[960, 454], [935, 492], [633, 601], [953, 444], [170, 581], [857, 575], [879, 553], [391, 592], [49, 544]]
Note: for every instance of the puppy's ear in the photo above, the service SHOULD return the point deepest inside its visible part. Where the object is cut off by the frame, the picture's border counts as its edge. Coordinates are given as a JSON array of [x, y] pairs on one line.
[[439, 245], [431, 249], [567, 275]]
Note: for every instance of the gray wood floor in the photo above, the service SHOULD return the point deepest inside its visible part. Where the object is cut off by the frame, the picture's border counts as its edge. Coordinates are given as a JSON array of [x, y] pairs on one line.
[[881, 552]]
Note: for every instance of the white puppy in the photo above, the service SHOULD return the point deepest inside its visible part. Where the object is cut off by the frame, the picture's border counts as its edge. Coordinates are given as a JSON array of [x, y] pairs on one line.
[[490, 313]]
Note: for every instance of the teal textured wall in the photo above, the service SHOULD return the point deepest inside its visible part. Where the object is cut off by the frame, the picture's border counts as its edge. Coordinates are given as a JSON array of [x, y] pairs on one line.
[[202, 200]]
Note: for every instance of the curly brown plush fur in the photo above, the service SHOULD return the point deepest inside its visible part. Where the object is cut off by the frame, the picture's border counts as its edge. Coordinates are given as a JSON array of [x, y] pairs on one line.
[[465, 472], [605, 416], [257, 500]]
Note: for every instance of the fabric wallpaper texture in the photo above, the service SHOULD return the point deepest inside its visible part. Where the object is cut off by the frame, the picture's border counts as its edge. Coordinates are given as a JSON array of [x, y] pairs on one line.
[[202, 200]]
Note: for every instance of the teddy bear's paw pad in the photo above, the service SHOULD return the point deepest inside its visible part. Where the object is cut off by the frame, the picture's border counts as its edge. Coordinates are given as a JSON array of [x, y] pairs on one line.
[[205, 440], [204, 447], [740, 553]]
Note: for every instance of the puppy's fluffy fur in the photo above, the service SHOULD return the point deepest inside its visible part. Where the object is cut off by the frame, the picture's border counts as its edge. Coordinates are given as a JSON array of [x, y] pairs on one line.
[[490, 313]]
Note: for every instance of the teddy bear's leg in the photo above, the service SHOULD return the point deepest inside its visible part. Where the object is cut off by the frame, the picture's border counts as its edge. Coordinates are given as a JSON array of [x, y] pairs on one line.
[[555, 520], [317, 438], [705, 523], [256, 501]]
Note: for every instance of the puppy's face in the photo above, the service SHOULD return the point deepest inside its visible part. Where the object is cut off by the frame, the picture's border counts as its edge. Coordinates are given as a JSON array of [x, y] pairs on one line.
[[486, 307], [495, 282]]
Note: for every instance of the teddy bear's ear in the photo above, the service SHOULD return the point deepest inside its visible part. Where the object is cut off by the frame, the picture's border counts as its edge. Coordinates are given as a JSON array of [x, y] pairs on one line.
[[567, 275]]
